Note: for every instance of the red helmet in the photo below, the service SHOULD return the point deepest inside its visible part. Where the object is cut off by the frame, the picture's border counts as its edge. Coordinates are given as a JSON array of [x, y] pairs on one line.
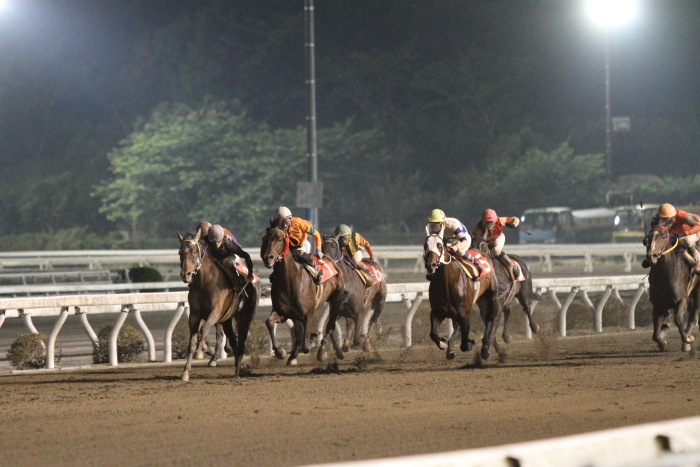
[[489, 216]]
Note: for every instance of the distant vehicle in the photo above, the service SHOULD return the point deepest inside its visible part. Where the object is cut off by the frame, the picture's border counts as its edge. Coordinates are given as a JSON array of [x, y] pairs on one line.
[[547, 225], [632, 223], [593, 225], [560, 224]]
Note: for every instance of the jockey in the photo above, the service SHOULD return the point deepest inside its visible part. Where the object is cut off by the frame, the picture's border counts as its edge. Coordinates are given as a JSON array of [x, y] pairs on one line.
[[205, 226], [454, 234], [490, 228], [352, 243], [222, 247], [298, 231], [684, 226]]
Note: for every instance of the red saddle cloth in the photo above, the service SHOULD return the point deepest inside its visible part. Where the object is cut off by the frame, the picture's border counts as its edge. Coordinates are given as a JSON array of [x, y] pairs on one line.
[[485, 264], [327, 267], [521, 277], [243, 269], [377, 274]]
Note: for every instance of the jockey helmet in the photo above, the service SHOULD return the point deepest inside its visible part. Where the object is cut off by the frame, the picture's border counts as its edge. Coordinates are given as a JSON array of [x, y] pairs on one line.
[[341, 230], [489, 216], [666, 210], [437, 215], [216, 233], [282, 212], [204, 228]]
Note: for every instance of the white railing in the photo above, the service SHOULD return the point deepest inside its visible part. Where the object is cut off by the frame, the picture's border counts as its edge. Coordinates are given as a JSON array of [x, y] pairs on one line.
[[387, 255], [666, 443], [410, 294]]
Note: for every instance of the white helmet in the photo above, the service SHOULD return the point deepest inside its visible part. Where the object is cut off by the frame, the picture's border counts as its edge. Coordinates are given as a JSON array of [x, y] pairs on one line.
[[282, 213]]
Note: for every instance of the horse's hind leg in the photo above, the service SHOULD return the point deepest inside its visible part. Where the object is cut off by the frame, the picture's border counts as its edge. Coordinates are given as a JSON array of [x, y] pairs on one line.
[[217, 349], [243, 321], [506, 315], [679, 317], [525, 300], [350, 333], [451, 341], [299, 331], [330, 329]]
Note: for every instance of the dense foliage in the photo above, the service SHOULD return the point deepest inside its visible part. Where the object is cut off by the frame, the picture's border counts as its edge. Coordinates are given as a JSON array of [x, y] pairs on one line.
[[200, 115]]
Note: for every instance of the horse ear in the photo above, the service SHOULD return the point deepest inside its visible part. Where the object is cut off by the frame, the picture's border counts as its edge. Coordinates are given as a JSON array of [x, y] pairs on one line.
[[484, 247], [197, 235], [179, 237]]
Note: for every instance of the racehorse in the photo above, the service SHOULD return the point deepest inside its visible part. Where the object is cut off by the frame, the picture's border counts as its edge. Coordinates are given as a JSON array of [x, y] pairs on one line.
[[362, 297], [295, 296], [213, 301], [452, 295], [671, 287], [508, 290]]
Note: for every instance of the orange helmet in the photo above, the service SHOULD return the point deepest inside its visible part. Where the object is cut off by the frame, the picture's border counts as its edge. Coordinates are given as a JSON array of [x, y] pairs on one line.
[[666, 210], [489, 216]]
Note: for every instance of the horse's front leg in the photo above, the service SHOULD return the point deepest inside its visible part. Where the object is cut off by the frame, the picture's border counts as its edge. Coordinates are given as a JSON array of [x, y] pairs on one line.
[[330, 330], [506, 315], [493, 310], [270, 322], [435, 322], [450, 354], [350, 330], [464, 325], [299, 332], [217, 348], [194, 343], [658, 335]]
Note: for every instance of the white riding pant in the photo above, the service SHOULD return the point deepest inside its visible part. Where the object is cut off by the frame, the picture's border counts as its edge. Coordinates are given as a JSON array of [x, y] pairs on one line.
[[499, 242]]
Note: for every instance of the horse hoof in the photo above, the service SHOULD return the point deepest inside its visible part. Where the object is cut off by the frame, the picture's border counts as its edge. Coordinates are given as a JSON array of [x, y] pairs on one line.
[[442, 345], [685, 347], [467, 346], [322, 356], [199, 355], [535, 329], [485, 354], [212, 364], [506, 339], [346, 348], [662, 346], [366, 347], [691, 339], [450, 355], [292, 362], [185, 376], [339, 354]]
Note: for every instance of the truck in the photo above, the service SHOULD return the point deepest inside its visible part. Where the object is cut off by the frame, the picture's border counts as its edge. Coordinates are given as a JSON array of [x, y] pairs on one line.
[[560, 224]]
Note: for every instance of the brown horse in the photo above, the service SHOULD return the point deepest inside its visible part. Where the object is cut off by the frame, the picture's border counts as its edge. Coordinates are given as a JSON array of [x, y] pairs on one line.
[[452, 295], [509, 290], [213, 301], [672, 289], [362, 297], [295, 296]]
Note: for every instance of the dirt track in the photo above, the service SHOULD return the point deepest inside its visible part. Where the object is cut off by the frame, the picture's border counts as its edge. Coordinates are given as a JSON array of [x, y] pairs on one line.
[[396, 403]]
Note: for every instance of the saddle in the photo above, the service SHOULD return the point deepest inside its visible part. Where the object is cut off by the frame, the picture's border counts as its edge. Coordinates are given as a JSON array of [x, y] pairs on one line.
[[368, 278], [469, 267]]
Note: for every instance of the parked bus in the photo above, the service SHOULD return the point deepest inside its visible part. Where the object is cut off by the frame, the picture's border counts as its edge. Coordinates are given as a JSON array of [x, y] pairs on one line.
[[560, 224], [632, 223]]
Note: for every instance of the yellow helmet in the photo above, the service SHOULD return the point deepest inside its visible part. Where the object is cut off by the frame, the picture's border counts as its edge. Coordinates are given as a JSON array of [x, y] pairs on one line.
[[436, 215], [666, 210]]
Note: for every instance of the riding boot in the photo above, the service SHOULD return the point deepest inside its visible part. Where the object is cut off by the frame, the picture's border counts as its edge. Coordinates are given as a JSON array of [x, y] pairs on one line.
[[510, 264], [646, 263], [311, 266], [471, 259], [429, 276]]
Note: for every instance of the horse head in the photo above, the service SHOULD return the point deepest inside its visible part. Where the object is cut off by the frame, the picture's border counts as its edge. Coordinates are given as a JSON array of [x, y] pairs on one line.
[[275, 245], [192, 254], [433, 252], [331, 248], [657, 241]]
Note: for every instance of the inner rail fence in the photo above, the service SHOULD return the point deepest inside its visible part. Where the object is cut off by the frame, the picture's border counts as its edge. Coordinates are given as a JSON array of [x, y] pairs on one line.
[[405, 258], [410, 294]]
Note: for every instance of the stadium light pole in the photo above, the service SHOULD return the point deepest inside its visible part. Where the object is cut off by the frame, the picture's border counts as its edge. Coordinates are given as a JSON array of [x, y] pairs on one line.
[[610, 14]]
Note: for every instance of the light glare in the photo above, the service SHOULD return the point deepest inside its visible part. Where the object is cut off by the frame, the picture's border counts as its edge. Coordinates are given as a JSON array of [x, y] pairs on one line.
[[612, 12]]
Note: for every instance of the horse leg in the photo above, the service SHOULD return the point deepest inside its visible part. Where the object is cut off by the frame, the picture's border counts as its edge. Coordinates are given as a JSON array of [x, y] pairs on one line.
[[493, 310], [298, 339], [679, 319], [450, 354], [243, 321], [330, 330], [658, 334], [194, 343], [217, 349], [506, 314], [435, 322], [270, 322], [525, 297], [350, 330]]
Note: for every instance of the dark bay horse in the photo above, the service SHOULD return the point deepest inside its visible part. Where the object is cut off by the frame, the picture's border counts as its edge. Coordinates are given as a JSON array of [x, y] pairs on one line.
[[361, 300], [295, 296], [213, 302], [509, 290], [672, 290], [452, 295]]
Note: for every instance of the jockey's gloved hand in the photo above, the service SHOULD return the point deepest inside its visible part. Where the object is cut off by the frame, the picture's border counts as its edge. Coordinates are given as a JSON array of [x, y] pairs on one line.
[[510, 224], [251, 278], [680, 235]]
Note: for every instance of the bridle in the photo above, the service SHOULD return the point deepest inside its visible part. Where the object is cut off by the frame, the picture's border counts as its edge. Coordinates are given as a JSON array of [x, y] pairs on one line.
[[285, 250], [200, 249], [668, 237], [442, 254], [336, 245]]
